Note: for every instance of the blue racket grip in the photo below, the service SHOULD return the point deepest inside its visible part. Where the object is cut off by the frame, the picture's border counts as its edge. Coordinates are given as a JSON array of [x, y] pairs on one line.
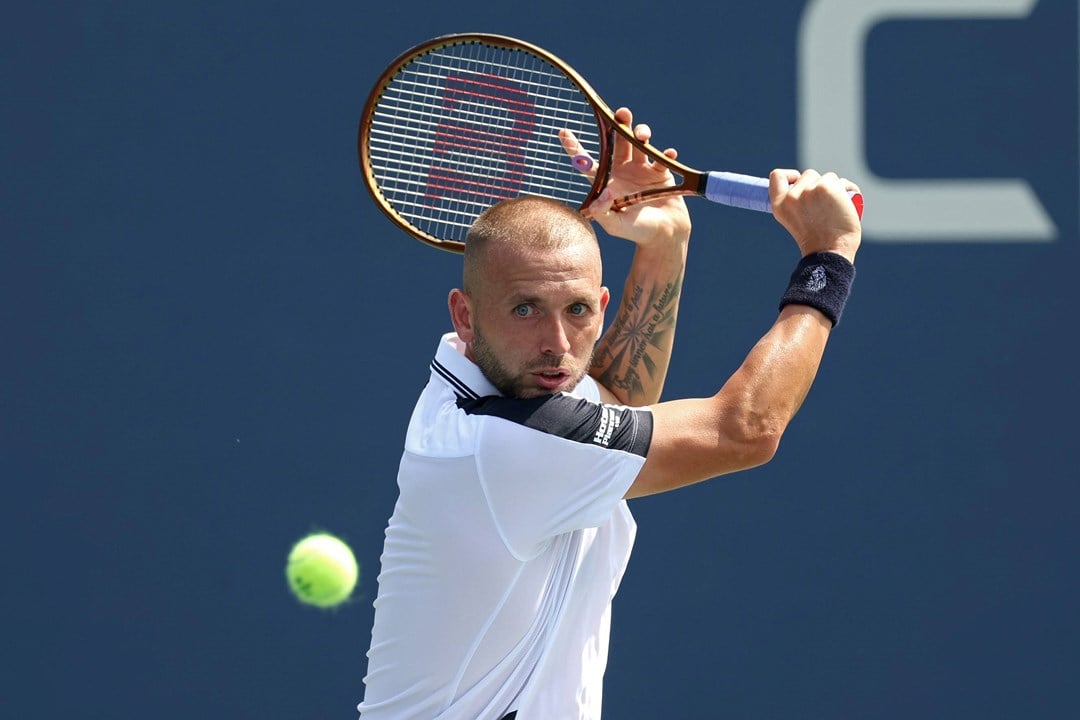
[[741, 191], [749, 192]]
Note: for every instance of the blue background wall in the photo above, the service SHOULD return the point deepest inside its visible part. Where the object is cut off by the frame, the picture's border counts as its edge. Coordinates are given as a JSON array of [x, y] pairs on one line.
[[211, 342]]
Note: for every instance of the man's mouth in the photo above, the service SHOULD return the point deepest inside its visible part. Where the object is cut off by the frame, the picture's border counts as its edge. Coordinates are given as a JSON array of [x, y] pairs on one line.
[[550, 379]]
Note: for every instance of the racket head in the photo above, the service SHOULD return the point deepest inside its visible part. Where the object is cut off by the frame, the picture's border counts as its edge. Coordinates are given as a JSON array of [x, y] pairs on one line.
[[460, 122]]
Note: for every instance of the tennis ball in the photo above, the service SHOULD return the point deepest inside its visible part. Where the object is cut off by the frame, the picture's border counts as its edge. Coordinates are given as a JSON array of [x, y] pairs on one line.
[[321, 570]]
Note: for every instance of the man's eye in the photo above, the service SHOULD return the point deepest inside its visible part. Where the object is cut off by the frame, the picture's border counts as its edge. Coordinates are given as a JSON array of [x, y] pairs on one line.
[[523, 310], [579, 309]]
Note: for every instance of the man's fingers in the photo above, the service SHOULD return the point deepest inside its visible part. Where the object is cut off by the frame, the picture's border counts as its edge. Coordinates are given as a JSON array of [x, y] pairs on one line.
[[600, 207], [578, 155], [671, 153], [781, 180], [623, 150], [643, 133]]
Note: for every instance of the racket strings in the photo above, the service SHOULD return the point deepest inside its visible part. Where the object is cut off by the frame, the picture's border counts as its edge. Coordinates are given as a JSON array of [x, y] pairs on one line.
[[463, 126]]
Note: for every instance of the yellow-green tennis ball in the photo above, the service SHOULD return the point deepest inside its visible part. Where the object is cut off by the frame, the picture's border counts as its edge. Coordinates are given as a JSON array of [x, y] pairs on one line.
[[322, 570]]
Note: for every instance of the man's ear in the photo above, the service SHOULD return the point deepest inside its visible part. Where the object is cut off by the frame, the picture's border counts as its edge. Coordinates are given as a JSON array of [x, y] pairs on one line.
[[605, 297], [461, 314]]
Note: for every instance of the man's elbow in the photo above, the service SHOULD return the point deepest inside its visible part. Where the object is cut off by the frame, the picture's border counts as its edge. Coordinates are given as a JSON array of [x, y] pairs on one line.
[[758, 440], [764, 449]]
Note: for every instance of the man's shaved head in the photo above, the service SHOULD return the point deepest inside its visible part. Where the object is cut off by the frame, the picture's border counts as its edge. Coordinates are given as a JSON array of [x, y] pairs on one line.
[[524, 225]]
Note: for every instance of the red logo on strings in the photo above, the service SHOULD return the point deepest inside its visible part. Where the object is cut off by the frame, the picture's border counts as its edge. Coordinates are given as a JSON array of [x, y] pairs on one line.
[[479, 152]]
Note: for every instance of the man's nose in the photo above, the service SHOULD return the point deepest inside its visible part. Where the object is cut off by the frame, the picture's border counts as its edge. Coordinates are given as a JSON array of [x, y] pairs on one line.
[[554, 340]]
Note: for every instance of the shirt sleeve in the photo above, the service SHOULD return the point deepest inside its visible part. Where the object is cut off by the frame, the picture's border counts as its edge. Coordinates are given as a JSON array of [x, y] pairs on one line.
[[555, 464]]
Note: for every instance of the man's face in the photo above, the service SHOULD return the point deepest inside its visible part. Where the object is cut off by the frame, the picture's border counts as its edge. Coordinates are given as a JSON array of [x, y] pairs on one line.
[[535, 319]]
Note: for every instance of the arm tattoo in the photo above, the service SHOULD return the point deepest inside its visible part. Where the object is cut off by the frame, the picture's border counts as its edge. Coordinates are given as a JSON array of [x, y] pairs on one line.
[[639, 338]]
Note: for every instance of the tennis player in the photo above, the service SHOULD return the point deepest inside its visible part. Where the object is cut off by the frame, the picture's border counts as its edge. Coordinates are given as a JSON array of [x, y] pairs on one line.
[[511, 531]]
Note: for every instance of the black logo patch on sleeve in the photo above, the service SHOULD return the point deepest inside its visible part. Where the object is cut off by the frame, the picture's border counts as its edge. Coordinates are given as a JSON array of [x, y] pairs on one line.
[[609, 426]]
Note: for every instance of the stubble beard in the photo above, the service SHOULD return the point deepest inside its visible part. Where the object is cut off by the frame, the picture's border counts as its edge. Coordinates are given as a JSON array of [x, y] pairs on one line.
[[511, 384]]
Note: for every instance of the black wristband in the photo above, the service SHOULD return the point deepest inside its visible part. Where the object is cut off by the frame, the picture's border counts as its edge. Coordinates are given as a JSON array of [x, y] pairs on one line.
[[822, 281]]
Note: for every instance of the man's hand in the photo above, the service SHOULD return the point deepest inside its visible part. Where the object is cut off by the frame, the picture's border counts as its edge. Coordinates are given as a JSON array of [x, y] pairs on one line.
[[632, 171], [817, 211]]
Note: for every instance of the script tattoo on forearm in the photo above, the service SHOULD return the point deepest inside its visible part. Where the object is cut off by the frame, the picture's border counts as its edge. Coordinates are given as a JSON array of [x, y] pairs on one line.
[[639, 340]]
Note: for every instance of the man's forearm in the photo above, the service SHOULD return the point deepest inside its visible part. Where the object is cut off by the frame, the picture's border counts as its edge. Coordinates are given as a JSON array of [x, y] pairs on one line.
[[632, 357], [740, 427]]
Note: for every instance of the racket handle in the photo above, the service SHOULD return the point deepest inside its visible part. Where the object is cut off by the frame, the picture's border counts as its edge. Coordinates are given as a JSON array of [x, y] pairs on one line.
[[749, 192], [741, 191]]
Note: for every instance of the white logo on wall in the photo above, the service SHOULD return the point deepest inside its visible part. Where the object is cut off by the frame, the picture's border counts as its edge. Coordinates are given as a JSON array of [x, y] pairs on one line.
[[832, 40]]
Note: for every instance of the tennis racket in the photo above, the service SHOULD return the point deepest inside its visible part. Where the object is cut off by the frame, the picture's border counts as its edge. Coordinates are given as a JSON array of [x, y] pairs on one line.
[[460, 122]]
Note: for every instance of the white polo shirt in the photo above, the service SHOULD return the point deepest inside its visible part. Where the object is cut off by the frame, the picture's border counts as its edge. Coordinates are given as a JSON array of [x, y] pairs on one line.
[[507, 543]]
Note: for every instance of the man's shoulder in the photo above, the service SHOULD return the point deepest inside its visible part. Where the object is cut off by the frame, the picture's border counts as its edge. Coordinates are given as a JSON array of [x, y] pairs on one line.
[[437, 426]]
